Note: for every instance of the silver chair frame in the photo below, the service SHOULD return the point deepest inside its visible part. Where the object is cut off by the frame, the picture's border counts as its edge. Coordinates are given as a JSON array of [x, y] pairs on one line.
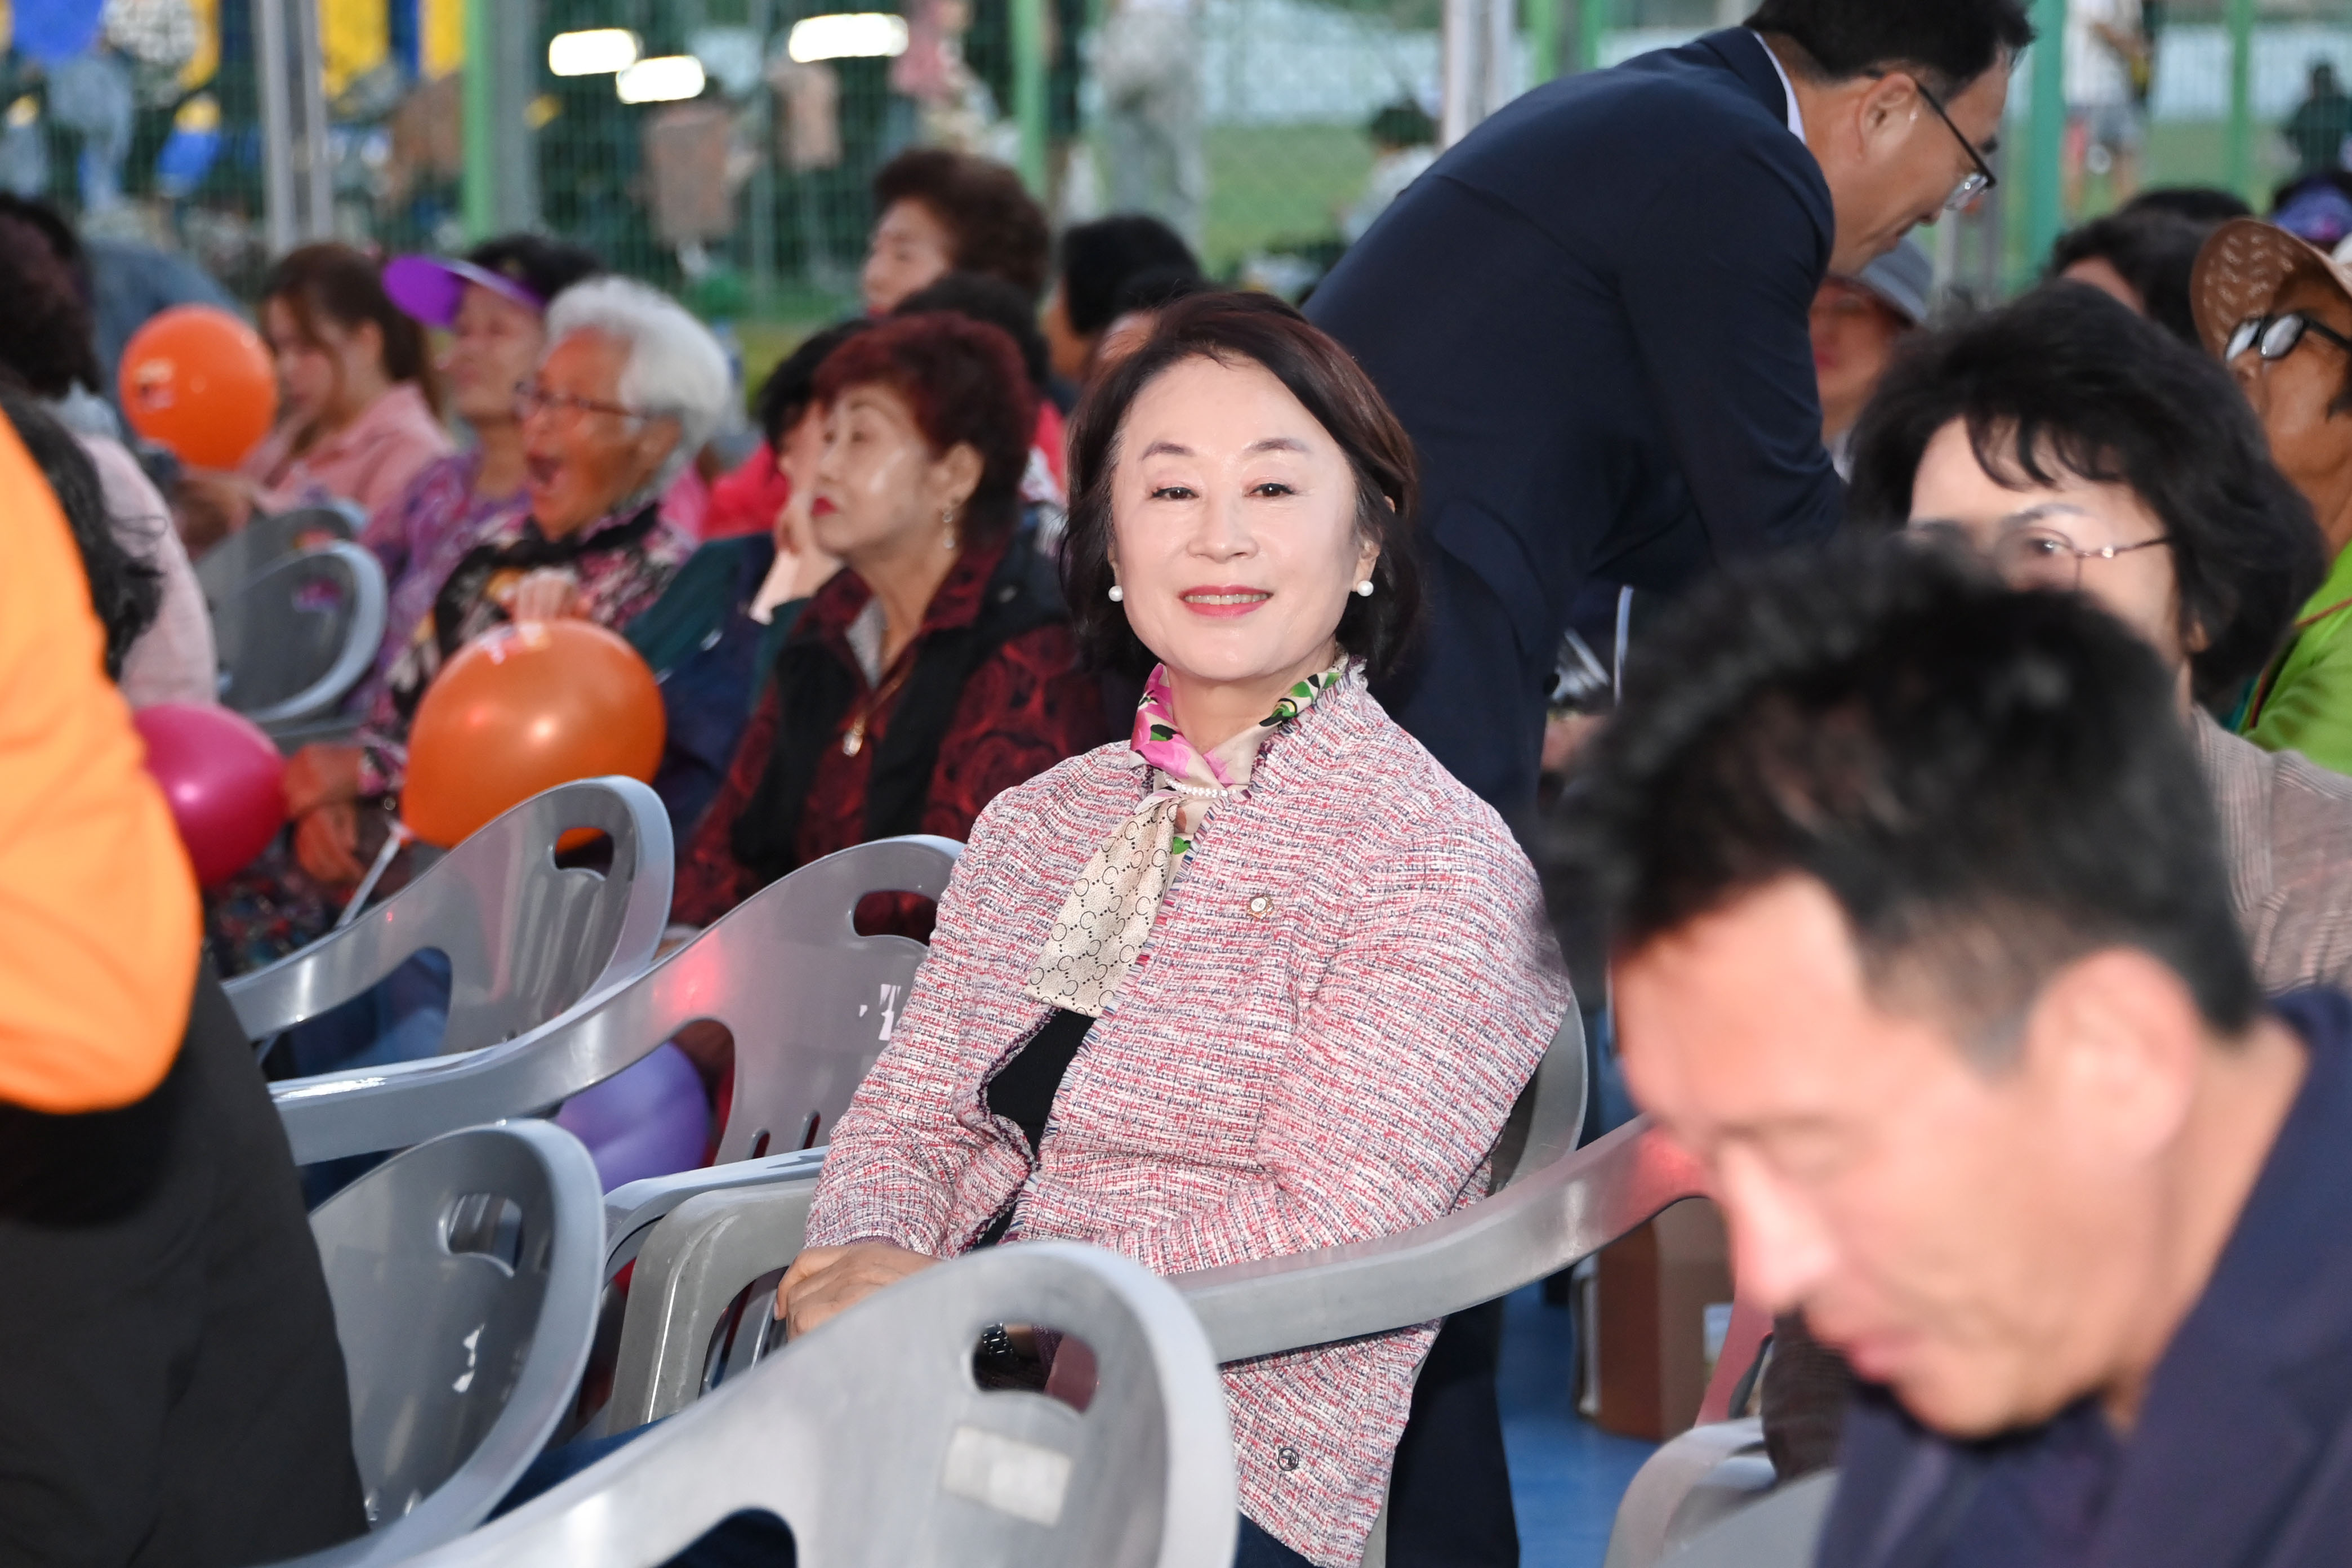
[[1560, 1206], [802, 1439], [806, 1023], [268, 538], [493, 905], [361, 639], [562, 1241]]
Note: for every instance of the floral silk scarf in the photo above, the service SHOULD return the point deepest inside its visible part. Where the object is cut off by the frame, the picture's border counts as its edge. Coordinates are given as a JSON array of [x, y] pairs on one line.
[[1107, 917]]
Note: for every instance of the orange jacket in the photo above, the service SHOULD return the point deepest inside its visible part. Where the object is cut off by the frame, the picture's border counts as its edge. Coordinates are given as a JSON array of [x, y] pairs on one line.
[[99, 920]]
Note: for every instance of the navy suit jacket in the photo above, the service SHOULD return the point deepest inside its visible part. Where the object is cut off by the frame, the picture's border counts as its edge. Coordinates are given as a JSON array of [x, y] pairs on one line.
[[2242, 1457], [1592, 315]]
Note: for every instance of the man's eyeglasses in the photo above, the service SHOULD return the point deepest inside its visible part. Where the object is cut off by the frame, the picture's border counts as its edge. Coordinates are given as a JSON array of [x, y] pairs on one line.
[[531, 399], [2275, 337], [1972, 187]]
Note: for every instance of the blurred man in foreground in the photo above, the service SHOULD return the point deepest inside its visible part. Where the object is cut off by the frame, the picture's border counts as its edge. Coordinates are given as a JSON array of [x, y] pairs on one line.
[[1924, 944]]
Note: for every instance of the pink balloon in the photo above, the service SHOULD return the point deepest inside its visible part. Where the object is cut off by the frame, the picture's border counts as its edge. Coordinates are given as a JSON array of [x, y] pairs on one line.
[[224, 779]]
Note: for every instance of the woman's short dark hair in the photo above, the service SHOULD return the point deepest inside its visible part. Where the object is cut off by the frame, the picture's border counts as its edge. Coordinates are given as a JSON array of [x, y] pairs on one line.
[[996, 225], [1099, 257], [791, 387], [46, 338], [126, 591], [963, 382], [2152, 250], [2069, 380], [1260, 330], [331, 281], [995, 301], [545, 266]]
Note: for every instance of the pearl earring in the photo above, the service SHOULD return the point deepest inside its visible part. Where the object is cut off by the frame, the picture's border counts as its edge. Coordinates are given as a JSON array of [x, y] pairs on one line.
[[1364, 589], [1118, 594], [948, 520]]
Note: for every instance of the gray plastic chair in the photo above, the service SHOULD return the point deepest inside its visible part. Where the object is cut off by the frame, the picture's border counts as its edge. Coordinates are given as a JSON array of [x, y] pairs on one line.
[[810, 1003], [464, 1275], [1558, 1204], [871, 1438], [529, 943], [228, 565], [1782, 1530], [296, 638], [1690, 1484]]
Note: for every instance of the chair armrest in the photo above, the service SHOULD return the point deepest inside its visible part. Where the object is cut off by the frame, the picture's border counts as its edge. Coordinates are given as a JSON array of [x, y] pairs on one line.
[[631, 1212], [1783, 1531], [1545, 1221], [1646, 1514], [691, 1268]]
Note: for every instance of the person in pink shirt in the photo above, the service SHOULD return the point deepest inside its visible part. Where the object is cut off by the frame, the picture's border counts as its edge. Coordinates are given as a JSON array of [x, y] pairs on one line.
[[359, 416]]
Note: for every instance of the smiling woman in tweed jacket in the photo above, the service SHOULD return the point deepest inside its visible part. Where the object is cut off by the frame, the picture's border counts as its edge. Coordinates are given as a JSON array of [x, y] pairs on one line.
[[1266, 978]]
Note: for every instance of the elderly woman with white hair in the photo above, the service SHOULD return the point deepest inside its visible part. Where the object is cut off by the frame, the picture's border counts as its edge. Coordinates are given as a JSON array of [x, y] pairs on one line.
[[629, 390]]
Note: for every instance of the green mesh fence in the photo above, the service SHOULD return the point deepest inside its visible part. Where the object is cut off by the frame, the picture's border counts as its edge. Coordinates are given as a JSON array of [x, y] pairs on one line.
[[1250, 123]]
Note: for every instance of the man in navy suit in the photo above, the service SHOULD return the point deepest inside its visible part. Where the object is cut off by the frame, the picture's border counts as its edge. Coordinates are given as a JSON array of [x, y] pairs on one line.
[[1926, 948], [1591, 314]]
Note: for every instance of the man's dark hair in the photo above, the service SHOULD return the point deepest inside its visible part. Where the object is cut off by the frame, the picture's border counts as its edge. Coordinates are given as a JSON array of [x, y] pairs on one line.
[[126, 590], [995, 301], [1098, 257], [2208, 205], [546, 266], [791, 387], [1158, 289], [2068, 380], [1235, 329], [995, 223], [1991, 784], [1955, 41], [2154, 251]]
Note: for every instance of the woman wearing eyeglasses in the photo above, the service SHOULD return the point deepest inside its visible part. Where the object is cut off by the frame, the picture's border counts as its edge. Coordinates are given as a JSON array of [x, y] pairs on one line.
[[2081, 449], [2279, 312], [631, 387]]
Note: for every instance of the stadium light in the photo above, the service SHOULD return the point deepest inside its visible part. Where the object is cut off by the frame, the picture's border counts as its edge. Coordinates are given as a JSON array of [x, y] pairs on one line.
[[593, 51], [662, 79], [847, 36]]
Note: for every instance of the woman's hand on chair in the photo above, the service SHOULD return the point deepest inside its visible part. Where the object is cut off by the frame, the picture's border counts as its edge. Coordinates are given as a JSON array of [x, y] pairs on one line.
[[548, 593], [825, 1282]]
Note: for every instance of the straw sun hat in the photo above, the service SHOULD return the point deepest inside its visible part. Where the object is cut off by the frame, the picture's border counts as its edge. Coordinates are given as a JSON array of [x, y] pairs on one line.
[[2241, 268]]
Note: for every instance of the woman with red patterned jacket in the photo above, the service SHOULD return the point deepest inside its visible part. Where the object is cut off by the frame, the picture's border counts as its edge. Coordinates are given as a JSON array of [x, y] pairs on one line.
[[937, 668], [1262, 980]]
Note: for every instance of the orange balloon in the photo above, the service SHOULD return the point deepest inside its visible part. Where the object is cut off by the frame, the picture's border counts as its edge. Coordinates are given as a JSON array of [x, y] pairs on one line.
[[199, 381], [523, 709]]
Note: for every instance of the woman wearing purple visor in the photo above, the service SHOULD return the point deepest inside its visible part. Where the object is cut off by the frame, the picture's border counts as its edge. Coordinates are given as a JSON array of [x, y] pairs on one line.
[[494, 306]]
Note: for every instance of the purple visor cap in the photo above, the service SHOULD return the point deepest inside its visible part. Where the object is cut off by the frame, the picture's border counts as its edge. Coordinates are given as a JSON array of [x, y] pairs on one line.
[[430, 287]]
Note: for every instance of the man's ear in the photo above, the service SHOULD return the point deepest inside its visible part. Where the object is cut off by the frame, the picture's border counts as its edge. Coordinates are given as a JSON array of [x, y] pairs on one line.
[[2118, 1037], [1887, 107]]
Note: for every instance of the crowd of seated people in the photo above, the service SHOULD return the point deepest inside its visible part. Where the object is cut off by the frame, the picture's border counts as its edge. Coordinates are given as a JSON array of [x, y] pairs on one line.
[[359, 413], [628, 389], [2022, 811]]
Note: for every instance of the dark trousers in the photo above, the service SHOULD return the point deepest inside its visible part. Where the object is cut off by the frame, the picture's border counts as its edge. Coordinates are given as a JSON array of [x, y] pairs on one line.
[[172, 1391], [1450, 1499]]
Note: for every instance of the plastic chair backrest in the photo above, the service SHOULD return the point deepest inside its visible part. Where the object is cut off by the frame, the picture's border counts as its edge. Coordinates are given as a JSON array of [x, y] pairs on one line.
[[464, 1277], [871, 1441], [296, 638], [525, 938], [1782, 1530], [808, 1000], [227, 566], [699, 1261]]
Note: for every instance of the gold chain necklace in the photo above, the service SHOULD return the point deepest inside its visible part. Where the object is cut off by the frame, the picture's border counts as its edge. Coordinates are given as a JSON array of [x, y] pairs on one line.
[[853, 740]]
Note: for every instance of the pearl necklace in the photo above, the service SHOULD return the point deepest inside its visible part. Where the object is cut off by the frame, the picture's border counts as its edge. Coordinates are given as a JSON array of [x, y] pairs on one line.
[[1205, 791]]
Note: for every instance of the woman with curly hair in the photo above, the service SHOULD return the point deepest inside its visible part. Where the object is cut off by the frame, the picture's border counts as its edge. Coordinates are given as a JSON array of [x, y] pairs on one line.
[[945, 212]]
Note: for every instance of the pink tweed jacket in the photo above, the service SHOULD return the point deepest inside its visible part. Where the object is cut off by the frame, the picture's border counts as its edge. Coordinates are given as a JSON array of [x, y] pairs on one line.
[[1343, 994]]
